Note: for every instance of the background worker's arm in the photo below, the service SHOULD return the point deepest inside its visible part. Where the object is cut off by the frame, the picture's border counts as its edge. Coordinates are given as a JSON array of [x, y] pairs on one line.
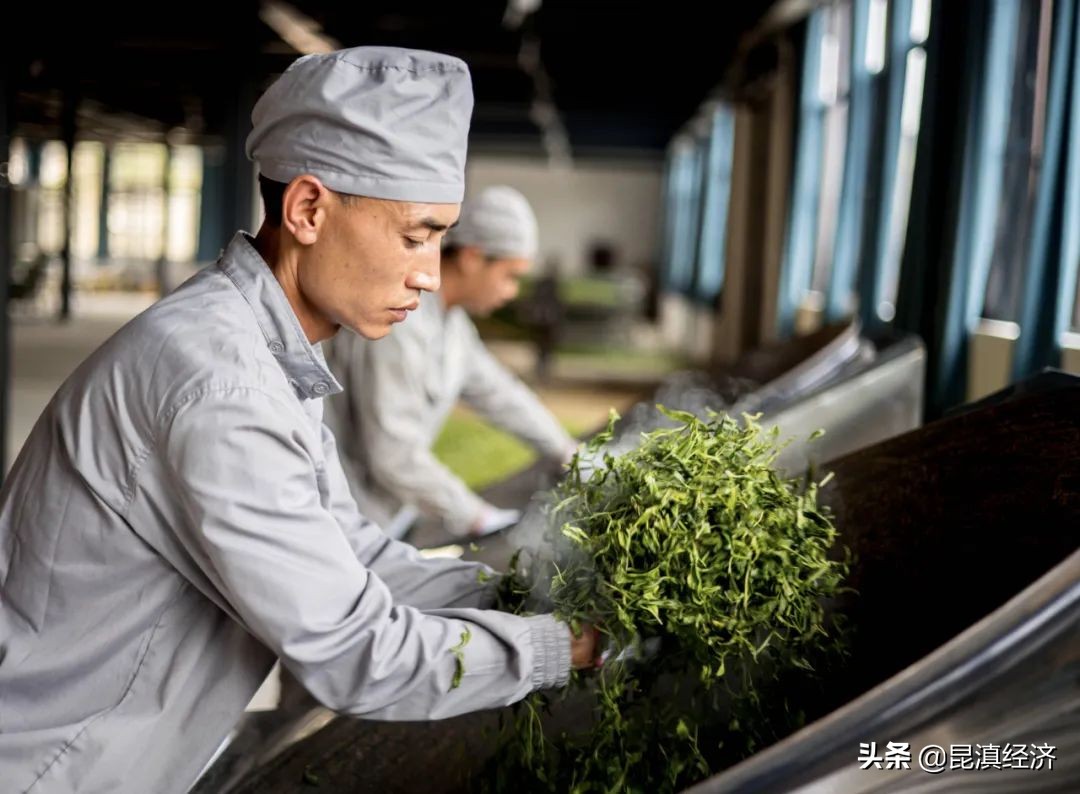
[[500, 397], [412, 579], [393, 406]]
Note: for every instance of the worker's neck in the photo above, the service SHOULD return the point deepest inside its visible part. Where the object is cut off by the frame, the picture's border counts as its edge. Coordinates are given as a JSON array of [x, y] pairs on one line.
[[284, 263]]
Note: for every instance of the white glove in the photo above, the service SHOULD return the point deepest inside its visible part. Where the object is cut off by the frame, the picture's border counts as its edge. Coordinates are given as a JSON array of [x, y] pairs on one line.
[[569, 452], [493, 519]]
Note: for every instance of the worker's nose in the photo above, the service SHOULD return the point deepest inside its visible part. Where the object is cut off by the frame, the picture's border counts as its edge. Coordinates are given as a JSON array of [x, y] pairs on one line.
[[426, 279]]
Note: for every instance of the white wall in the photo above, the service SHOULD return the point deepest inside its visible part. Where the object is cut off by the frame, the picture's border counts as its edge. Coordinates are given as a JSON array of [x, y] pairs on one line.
[[1070, 352], [614, 203], [990, 357]]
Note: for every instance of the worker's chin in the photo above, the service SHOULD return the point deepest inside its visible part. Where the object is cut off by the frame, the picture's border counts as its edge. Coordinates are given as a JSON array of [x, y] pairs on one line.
[[371, 330]]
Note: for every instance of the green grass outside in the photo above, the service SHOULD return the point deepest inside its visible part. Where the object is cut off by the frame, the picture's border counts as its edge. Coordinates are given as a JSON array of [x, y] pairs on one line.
[[581, 290], [621, 360], [481, 454]]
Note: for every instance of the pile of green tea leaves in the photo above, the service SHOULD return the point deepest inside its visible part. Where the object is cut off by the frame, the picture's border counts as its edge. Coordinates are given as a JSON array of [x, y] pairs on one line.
[[709, 575]]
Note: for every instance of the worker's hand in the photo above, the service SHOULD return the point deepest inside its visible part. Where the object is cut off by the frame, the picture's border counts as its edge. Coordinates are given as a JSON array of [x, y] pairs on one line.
[[585, 649], [493, 519], [556, 463]]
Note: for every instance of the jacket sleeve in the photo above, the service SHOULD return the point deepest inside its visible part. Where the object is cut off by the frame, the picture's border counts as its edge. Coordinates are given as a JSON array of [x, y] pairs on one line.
[[257, 524], [426, 583], [390, 402], [500, 397]]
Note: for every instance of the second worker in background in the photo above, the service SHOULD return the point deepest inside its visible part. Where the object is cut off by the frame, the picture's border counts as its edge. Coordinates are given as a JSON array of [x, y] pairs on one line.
[[400, 390]]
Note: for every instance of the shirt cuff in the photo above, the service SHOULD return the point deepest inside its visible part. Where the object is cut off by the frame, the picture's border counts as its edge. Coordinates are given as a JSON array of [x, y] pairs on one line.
[[551, 652], [556, 445], [459, 519]]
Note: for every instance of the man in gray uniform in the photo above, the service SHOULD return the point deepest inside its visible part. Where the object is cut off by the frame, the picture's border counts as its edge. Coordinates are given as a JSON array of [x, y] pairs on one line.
[[178, 518], [400, 391]]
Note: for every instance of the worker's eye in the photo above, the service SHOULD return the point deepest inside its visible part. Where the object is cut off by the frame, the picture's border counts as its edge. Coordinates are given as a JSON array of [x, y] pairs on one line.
[[413, 242]]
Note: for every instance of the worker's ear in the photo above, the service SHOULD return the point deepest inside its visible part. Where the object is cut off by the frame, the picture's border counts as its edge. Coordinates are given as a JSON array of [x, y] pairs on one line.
[[304, 207], [470, 260]]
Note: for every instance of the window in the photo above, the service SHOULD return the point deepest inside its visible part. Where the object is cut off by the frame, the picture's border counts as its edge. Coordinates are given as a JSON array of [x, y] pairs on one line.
[[861, 166], [833, 87], [52, 175], [136, 201], [819, 161], [714, 216], [684, 193], [144, 221], [51, 163], [910, 22], [185, 193], [1021, 161], [88, 163], [1076, 309]]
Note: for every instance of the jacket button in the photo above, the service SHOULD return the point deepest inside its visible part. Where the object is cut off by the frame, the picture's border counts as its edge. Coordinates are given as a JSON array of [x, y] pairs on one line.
[[320, 388], [277, 347]]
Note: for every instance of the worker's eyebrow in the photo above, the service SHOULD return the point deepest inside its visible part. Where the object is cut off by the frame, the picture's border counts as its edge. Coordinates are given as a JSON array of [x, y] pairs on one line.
[[431, 224]]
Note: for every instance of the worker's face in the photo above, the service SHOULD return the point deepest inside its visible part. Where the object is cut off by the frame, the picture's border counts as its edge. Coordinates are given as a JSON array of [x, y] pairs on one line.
[[371, 259], [489, 283]]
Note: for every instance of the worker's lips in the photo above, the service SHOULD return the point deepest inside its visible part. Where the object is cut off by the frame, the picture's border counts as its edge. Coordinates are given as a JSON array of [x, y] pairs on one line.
[[402, 312]]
